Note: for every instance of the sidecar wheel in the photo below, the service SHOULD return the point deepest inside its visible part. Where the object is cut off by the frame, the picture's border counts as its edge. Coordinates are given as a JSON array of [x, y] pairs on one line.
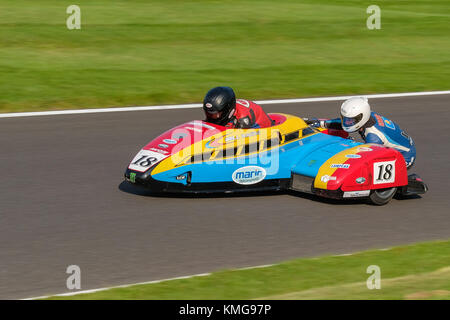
[[382, 196]]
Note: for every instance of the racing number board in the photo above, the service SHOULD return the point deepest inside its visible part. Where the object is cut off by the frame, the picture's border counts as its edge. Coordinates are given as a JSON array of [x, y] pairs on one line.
[[144, 160], [384, 172]]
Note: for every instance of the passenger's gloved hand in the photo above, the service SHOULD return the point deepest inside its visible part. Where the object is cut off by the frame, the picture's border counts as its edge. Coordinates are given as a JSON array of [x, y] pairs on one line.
[[314, 122], [244, 123]]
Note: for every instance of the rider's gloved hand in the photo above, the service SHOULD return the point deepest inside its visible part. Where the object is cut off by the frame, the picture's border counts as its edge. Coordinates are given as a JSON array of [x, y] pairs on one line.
[[314, 122]]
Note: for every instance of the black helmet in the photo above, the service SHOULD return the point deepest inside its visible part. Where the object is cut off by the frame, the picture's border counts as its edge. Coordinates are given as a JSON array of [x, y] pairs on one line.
[[219, 105]]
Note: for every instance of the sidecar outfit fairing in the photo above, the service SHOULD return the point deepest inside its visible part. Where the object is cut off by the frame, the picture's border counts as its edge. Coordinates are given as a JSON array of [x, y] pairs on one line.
[[201, 157]]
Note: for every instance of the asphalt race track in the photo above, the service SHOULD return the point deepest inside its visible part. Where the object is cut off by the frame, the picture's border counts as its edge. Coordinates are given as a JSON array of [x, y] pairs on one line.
[[63, 202]]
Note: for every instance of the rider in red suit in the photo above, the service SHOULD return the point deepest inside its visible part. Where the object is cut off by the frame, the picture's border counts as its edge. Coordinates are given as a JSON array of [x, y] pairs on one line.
[[221, 108]]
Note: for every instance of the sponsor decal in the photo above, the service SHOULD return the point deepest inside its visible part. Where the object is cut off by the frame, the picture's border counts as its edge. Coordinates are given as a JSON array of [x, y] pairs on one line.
[[389, 124], [353, 156], [404, 134], [215, 143], [162, 145], [179, 135], [250, 134], [181, 177], [327, 178], [231, 138], [202, 124], [364, 149], [170, 141], [208, 105], [133, 177], [193, 129], [209, 146], [360, 180], [249, 175], [340, 165], [379, 120], [243, 102], [354, 194], [159, 150]]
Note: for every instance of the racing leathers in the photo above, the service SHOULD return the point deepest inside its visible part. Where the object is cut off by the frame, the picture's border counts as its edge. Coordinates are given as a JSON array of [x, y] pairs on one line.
[[249, 115], [381, 130]]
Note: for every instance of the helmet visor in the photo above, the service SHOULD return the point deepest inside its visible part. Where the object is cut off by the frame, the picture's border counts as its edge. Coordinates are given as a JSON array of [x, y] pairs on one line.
[[214, 116], [348, 122]]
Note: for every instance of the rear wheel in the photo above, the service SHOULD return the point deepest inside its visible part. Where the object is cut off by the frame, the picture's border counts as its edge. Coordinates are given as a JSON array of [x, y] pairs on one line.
[[382, 196]]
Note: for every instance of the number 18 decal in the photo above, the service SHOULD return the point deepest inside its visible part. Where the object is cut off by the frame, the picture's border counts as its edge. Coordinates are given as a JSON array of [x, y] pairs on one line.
[[144, 160], [384, 172]]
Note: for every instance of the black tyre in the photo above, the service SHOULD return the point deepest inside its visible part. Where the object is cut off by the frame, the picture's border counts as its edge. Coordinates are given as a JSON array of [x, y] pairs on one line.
[[382, 196]]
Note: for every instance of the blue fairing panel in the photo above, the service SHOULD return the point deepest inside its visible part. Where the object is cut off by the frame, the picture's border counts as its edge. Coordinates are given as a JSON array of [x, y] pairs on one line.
[[222, 170], [316, 150]]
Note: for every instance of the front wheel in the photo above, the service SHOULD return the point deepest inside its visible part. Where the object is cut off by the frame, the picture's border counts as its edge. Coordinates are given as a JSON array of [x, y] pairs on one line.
[[382, 196]]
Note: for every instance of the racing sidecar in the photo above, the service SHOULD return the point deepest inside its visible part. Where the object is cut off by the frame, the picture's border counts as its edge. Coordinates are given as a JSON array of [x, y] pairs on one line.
[[201, 157]]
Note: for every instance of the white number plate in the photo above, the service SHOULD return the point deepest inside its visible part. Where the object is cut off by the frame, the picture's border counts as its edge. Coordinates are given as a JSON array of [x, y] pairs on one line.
[[384, 172], [145, 159]]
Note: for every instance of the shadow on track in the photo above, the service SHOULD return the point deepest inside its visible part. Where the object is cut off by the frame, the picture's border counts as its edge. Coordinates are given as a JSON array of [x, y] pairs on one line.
[[130, 188]]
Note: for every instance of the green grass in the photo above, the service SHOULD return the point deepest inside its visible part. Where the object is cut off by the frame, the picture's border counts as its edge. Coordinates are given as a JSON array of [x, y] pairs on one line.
[[420, 271], [432, 285], [140, 52]]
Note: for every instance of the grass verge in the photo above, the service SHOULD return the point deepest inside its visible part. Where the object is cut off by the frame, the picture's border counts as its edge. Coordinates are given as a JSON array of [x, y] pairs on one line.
[[138, 52], [420, 271]]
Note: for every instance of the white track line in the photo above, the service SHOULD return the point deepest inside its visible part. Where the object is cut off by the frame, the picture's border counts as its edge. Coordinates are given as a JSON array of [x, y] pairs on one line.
[[116, 287], [198, 105], [140, 283]]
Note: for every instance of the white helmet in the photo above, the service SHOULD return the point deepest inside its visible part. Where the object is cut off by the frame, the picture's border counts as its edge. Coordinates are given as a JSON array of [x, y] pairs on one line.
[[355, 112]]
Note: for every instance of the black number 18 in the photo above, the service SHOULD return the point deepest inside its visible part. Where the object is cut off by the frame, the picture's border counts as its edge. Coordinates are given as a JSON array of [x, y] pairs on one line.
[[145, 161], [385, 173]]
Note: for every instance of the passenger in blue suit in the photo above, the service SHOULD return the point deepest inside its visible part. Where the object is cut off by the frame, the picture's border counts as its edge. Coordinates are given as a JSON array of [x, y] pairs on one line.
[[373, 128]]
